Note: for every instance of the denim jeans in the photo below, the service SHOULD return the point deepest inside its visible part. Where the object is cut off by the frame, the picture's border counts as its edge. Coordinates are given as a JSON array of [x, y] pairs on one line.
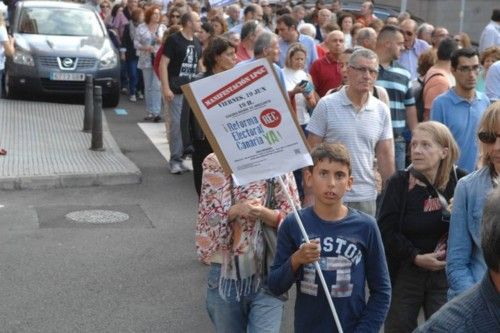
[[132, 76], [259, 312], [400, 152], [123, 73], [175, 137], [152, 91]]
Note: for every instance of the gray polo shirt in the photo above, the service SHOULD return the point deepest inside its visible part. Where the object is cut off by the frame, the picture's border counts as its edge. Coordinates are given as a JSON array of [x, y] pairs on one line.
[[336, 120]]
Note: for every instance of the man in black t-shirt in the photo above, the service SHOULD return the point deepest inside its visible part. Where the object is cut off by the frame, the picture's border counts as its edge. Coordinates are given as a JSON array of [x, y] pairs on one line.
[[179, 62]]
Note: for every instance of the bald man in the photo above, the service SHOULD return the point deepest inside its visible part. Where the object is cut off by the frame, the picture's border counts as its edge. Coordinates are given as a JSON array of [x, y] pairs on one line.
[[327, 71], [367, 38]]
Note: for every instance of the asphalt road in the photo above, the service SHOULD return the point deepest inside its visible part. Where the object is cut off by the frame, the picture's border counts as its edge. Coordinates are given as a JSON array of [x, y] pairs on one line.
[[143, 277]]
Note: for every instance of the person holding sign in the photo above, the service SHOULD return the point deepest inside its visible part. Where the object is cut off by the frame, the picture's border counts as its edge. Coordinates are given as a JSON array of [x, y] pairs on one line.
[[348, 246], [229, 237]]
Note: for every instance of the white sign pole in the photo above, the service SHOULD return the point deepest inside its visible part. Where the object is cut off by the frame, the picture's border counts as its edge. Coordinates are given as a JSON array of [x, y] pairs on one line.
[[316, 264]]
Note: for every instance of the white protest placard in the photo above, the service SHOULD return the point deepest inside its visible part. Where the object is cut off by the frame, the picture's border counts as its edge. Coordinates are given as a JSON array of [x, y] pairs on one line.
[[248, 121]]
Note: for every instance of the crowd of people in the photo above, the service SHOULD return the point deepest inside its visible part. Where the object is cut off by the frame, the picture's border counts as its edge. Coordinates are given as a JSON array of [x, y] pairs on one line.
[[404, 128]]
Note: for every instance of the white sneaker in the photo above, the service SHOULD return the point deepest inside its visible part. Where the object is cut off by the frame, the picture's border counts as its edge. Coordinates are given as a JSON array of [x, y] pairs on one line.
[[176, 168], [140, 95], [132, 98], [184, 168]]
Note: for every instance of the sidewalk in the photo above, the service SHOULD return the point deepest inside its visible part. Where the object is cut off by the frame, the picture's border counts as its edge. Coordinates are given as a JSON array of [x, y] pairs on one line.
[[46, 148]]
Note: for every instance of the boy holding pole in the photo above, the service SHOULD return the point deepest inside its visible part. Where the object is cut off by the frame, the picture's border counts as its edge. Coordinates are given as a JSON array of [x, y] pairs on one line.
[[349, 249]]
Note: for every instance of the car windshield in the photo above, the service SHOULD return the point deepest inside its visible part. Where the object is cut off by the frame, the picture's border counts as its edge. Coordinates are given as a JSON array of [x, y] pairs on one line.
[[59, 22]]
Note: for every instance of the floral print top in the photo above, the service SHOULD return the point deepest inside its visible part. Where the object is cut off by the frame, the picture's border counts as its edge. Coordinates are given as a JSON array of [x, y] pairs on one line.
[[214, 232]]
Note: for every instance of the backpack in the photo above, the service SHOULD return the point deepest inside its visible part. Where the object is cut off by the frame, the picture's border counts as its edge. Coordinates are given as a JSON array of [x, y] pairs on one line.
[[156, 61], [418, 93]]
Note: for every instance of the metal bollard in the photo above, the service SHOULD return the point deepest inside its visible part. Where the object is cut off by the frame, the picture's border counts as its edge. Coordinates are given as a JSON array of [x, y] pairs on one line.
[[97, 121], [89, 103]]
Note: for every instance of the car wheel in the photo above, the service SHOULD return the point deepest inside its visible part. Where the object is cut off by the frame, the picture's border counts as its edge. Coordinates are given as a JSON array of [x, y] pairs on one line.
[[111, 100], [11, 91]]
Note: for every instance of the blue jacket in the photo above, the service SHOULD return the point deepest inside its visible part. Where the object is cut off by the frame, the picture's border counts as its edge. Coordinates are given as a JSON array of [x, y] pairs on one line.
[[465, 264]]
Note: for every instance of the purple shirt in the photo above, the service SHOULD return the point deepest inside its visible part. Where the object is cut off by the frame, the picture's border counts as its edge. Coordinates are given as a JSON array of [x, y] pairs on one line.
[[409, 58]]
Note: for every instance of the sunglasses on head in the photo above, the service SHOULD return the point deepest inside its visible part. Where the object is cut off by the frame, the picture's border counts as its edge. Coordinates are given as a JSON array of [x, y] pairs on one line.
[[488, 137]]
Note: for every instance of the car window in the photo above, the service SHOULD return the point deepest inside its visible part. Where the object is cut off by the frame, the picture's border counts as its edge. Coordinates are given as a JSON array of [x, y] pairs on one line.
[[59, 22]]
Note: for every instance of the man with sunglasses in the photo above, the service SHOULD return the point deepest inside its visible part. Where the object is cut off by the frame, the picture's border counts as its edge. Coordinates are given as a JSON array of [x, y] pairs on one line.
[[414, 47], [461, 107]]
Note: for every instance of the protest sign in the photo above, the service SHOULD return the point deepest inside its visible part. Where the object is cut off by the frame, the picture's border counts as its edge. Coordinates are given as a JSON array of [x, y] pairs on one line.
[[248, 121]]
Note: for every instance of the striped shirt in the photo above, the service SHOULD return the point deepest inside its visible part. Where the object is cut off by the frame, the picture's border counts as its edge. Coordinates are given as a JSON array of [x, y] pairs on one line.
[[336, 120], [396, 80]]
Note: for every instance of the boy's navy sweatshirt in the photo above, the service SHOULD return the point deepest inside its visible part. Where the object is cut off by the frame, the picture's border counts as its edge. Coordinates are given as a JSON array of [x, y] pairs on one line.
[[351, 253]]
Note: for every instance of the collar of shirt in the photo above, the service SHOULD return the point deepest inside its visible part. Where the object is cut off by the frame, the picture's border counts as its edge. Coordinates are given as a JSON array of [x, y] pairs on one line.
[[344, 99], [455, 98], [329, 58]]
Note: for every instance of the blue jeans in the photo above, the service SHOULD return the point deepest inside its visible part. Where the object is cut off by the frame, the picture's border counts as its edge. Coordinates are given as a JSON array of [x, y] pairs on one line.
[[400, 152], [152, 91], [175, 136], [259, 312], [132, 76]]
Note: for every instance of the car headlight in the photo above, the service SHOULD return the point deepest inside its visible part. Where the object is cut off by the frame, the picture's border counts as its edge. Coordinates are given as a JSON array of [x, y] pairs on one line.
[[109, 60], [22, 57]]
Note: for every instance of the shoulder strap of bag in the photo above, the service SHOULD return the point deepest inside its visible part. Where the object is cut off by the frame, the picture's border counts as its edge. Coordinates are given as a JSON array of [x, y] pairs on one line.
[[424, 180]]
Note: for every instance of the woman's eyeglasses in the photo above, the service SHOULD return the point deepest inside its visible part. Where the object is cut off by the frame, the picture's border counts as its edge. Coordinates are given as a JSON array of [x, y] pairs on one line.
[[488, 137], [105, 6]]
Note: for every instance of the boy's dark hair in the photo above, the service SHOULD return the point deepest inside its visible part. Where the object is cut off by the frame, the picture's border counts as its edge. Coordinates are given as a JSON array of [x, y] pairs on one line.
[[465, 52], [334, 152]]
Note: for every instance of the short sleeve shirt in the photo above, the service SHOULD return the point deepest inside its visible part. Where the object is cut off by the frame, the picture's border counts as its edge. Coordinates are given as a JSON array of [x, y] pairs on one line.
[[397, 81], [183, 54], [335, 120]]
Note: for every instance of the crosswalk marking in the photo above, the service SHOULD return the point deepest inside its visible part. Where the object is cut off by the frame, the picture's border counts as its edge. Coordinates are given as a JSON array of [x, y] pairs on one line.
[[156, 133]]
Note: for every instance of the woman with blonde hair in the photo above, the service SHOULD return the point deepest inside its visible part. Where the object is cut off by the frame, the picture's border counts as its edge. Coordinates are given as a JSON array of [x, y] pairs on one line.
[[465, 266], [414, 222]]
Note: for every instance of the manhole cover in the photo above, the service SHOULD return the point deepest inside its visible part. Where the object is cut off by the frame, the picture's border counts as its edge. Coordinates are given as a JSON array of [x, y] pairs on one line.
[[97, 216]]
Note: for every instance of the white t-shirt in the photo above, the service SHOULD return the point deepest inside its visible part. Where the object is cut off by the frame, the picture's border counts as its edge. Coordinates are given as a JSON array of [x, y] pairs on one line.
[[336, 120], [292, 78]]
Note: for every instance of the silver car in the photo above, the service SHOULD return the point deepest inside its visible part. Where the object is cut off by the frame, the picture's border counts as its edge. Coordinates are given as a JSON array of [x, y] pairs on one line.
[[57, 44]]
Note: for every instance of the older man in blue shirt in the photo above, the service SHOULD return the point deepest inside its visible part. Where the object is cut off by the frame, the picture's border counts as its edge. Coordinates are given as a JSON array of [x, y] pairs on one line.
[[414, 47]]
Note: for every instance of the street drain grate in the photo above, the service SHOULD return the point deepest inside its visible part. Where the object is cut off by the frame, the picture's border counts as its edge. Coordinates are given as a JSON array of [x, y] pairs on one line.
[[93, 217], [97, 216]]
